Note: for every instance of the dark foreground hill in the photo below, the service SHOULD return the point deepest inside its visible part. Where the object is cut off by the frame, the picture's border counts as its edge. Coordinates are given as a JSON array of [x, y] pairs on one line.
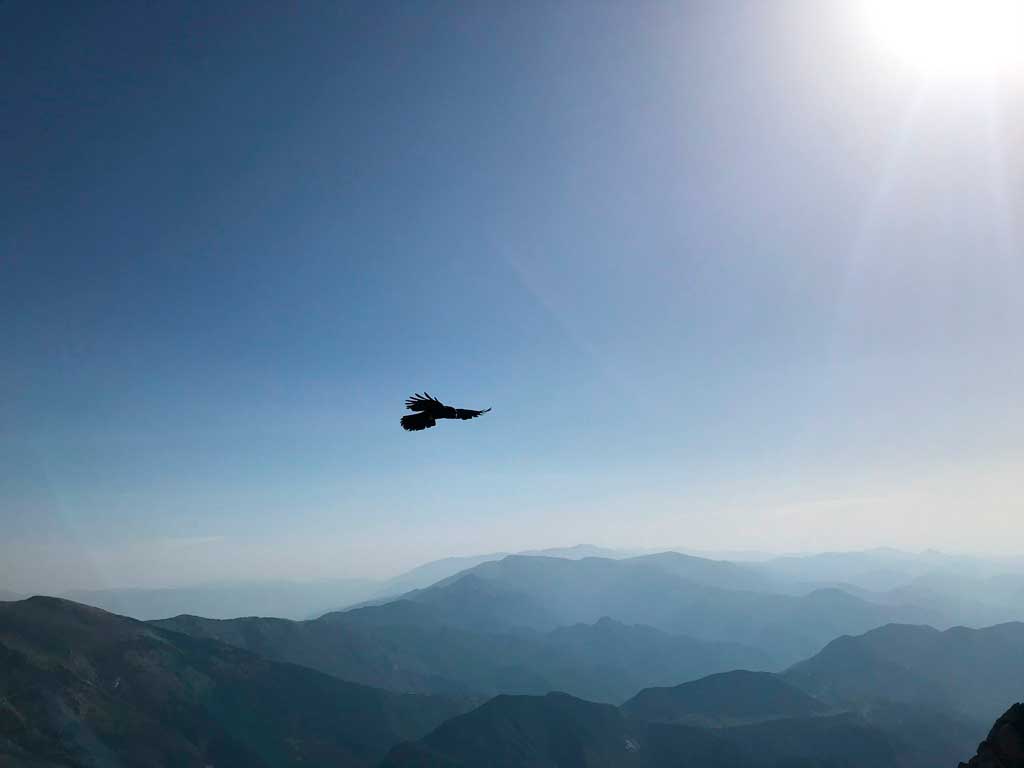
[[1004, 745], [975, 673], [731, 720], [725, 699], [407, 646], [559, 731], [555, 729], [82, 687]]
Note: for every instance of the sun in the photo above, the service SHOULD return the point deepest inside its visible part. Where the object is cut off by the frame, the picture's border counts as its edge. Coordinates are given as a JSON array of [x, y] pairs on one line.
[[951, 38]]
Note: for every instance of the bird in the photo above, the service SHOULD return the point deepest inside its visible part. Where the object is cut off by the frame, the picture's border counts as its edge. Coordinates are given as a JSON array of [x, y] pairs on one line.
[[429, 410]]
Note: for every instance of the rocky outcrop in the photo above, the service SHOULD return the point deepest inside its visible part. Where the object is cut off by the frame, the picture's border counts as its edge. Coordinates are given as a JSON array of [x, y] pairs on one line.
[[1004, 747]]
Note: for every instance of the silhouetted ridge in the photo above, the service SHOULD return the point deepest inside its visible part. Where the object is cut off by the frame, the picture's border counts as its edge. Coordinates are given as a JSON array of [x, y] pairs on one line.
[[1004, 745]]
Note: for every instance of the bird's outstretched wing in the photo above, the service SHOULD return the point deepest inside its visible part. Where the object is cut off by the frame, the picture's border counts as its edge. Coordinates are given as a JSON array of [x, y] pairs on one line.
[[414, 422], [465, 413], [425, 402]]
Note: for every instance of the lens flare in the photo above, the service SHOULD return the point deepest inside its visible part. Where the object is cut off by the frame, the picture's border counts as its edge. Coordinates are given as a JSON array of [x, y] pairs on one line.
[[952, 38]]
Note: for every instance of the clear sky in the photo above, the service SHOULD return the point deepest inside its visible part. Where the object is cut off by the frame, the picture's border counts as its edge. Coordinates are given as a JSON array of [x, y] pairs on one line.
[[730, 274]]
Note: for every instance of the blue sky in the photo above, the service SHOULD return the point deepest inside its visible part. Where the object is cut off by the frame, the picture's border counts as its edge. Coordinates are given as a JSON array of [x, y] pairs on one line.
[[729, 275]]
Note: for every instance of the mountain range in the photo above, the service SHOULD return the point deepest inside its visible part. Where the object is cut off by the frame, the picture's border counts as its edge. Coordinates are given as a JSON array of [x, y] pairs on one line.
[[530, 625], [531, 660], [404, 646], [675, 593], [83, 687], [948, 590], [289, 599], [560, 730]]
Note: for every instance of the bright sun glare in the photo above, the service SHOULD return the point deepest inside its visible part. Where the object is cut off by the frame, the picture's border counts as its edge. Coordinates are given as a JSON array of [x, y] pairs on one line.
[[952, 38]]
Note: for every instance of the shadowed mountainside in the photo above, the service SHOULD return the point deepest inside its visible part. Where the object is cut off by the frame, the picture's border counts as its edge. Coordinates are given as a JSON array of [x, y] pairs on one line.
[[561, 731], [80, 686]]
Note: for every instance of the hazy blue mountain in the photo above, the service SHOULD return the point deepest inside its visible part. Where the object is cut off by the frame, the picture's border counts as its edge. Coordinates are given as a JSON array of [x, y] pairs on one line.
[[947, 590], [404, 646], [84, 687], [954, 590], [538, 624], [6, 595], [430, 573], [579, 551], [1004, 745], [561, 731], [284, 599], [875, 569], [971, 601], [977, 673], [953, 597], [713, 573], [882, 570], [742, 556], [728, 698], [544, 593]]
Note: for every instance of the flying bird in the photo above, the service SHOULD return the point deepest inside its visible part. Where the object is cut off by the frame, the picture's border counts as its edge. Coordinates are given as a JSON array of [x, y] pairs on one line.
[[429, 410]]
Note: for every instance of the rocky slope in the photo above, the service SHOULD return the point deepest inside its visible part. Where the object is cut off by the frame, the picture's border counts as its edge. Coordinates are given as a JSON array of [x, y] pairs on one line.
[[82, 687], [1004, 746]]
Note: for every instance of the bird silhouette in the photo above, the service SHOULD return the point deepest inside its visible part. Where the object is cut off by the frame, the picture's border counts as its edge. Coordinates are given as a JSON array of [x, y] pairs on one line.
[[429, 410]]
